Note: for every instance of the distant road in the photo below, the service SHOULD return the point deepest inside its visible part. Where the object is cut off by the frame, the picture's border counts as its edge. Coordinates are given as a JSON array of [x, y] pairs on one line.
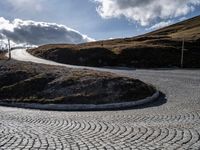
[[23, 55], [172, 122]]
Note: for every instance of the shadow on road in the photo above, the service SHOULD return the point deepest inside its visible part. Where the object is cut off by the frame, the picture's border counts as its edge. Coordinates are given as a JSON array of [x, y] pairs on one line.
[[160, 101]]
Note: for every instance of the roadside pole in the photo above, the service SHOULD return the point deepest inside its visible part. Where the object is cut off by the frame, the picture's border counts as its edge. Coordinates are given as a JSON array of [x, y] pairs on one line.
[[182, 52], [1, 48], [9, 53]]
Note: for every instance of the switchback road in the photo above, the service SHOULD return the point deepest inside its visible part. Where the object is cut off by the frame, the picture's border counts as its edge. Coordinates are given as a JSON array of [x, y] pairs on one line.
[[172, 122]]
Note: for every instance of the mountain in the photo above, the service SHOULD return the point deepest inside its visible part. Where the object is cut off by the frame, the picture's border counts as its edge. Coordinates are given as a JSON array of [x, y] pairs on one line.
[[160, 48]]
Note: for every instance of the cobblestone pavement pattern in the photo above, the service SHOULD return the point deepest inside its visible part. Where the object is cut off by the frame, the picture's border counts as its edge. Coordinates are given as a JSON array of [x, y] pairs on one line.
[[174, 124]]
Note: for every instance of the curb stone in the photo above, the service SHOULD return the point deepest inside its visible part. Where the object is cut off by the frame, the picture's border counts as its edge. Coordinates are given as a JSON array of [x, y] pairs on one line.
[[83, 107]]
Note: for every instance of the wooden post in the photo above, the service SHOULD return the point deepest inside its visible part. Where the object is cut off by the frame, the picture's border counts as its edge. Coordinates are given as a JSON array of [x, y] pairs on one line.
[[9, 53], [182, 52], [1, 45], [102, 44]]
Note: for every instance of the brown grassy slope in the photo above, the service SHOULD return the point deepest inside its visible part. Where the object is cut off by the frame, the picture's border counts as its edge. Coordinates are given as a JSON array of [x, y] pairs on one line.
[[2, 56], [188, 29], [29, 82], [161, 48]]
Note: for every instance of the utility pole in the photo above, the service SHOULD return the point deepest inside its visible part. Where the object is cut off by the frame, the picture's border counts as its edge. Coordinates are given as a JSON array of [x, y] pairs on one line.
[[9, 53], [182, 52]]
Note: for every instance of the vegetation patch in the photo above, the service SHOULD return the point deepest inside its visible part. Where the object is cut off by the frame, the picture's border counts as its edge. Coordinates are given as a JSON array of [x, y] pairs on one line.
[[36, 83], [2, 55]]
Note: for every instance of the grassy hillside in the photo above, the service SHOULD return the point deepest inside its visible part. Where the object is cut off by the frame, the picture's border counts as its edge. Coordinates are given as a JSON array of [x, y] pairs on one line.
[[161, 48], [189, 29]]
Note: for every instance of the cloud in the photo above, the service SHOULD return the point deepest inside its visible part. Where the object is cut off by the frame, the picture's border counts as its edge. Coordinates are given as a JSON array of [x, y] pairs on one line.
[[183, 18], [160, 25], [38, 33], [145, 11], [25, 5]]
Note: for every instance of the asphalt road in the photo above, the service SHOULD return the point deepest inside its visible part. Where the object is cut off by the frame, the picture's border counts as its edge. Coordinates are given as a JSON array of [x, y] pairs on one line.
[[172, 122]]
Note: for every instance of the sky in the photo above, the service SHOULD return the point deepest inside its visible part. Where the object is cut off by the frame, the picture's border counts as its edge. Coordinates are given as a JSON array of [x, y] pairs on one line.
[[40, 22]]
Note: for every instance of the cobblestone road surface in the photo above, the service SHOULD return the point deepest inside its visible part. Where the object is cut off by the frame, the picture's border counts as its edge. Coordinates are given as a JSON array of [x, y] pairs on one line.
[[169, 123], [172, 122]]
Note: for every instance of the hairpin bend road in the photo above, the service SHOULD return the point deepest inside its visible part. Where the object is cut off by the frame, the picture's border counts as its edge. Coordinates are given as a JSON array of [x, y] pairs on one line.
[[172, 122]]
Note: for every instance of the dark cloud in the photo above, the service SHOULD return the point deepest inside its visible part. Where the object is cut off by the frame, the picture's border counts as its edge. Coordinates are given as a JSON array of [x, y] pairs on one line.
[[38, 33], [123, 4]]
